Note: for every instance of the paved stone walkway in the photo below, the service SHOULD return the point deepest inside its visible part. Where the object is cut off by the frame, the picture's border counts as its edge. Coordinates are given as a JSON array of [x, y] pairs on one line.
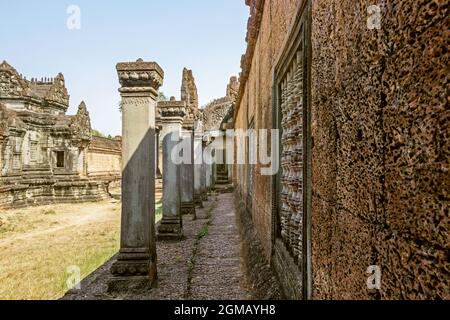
[[206, 265], [218, 273]]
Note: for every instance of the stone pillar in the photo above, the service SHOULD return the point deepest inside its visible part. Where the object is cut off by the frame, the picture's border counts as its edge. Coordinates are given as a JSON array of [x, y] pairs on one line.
[[158, 168], [208, 158], [187, 174], [198, 162], [171, 226], [208, 177], [135, 267], [204, 191], [214, 173], [1, 151]]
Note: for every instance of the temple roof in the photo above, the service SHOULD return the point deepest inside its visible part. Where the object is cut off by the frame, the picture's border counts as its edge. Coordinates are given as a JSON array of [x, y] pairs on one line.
[[106, 143], [14, 85]]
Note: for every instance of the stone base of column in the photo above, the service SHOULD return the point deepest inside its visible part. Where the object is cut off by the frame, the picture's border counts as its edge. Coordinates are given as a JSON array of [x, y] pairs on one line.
[[130, 284], [198, 200], [132, 275], [187, 208], [204, 196], [169, 230]]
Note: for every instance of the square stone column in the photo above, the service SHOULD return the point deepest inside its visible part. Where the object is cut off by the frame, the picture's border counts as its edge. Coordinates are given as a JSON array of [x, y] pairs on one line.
[[171, 226], [214, 168], [187, 173], [135, 267], [198, 162], [208, 177], [204, 191], [157, 153], [208, 158]]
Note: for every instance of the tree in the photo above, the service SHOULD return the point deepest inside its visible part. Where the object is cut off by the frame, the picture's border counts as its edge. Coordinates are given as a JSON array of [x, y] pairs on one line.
[[161, 97], [97, 133]]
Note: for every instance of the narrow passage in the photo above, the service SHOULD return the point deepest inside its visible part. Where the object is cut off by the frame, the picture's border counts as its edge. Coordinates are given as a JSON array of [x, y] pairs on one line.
[[206, 265], [218, 273]]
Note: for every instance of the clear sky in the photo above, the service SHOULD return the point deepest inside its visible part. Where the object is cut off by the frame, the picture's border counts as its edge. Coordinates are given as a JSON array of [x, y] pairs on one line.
[[207, 36]]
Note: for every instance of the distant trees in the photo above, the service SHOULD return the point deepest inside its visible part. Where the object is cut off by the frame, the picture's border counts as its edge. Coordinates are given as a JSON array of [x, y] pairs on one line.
[[161, 97], [97, 133]]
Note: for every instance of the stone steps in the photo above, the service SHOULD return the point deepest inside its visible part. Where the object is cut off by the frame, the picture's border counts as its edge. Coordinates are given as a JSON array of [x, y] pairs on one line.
[[224, 188]]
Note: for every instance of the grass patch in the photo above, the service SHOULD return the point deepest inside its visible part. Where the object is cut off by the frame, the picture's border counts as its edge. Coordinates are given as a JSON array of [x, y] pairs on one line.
[[39, 245], [48, 212], [158, 212], [203, 231]]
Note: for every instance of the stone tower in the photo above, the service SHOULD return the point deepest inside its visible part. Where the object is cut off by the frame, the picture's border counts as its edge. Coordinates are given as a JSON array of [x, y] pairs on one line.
[[189, 89]]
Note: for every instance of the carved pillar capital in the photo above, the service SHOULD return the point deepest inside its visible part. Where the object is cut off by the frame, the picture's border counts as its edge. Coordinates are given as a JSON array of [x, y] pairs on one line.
[[140, 78], [172, 111], [136, 263]]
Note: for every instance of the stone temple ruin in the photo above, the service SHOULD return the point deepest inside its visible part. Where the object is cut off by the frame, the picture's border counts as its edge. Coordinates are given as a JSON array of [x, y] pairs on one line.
[[48, 156], [152, 130], [362, 174], [45, 155], [196, 128], [362, 156]]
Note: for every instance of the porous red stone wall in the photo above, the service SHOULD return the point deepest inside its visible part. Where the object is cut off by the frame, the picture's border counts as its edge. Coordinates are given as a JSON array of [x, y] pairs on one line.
[[272, 19], [380, 126], [381, 149]]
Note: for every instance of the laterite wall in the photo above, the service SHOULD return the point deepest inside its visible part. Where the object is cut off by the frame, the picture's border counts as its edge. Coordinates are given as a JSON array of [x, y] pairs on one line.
[[381, 149], [380, 126]]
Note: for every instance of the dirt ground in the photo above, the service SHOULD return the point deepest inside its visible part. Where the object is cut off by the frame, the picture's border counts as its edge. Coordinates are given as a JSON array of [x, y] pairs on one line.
[[39, 246], [206, 265]]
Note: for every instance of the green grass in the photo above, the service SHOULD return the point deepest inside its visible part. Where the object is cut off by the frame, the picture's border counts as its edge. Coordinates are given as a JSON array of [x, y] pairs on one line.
[[204, 231], [158, 212], [36, 267]]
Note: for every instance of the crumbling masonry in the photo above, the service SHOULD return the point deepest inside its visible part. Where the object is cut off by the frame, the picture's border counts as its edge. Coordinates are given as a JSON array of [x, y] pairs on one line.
[[47, 156]]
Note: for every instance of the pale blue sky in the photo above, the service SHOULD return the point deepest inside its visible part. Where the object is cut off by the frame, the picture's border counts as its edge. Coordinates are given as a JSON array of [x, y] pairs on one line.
[[207, 36]]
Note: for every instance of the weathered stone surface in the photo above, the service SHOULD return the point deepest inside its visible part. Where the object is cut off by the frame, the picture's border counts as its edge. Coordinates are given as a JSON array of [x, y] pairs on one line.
[[171, 224], [172, 115], [380, 142], [187, 175], [215, 113], [47, 156], [137, 256], [189, 89], [198, 163], [217, 272], [377, 120], [267, 29]]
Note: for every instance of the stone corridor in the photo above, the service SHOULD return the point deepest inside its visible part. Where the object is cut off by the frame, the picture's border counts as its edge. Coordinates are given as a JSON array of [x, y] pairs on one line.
[[205, 265]]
